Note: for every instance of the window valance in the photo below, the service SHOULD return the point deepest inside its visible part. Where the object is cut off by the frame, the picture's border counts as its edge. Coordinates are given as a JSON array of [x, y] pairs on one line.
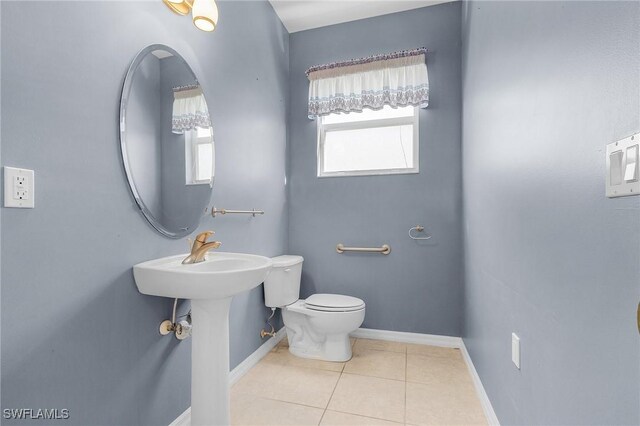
[[396, 79], [189, 110]]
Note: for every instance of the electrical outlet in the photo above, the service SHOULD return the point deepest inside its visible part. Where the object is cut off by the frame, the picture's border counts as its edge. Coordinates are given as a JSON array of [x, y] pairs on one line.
[[19, 188], [20, 194], [515, 350]]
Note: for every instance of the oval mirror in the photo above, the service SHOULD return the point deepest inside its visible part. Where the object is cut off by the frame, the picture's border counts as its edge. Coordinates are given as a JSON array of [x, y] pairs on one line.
[[166, 141]]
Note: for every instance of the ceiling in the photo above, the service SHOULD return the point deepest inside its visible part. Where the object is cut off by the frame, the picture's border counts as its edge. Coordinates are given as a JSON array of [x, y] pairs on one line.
[[300, 15]]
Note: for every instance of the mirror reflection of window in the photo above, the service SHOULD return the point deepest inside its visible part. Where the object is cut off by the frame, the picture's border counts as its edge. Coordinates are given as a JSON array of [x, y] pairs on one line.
[[167, 119], [199, 156]]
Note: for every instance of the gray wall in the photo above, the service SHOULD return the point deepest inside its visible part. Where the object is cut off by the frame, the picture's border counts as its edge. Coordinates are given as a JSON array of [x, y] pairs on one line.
[[546, 86], [418, 286], [76, 333], [2, 190]]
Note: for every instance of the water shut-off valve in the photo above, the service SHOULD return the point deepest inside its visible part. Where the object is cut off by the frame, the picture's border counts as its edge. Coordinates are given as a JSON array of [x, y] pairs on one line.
[[182, 328]]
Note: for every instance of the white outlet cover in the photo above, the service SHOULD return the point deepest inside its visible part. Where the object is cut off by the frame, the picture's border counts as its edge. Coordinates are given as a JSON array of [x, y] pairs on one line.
[[515, 350], [19, 188]]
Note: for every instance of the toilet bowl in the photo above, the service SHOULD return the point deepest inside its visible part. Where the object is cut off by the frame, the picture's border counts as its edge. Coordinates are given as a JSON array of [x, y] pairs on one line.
[[317, 327]]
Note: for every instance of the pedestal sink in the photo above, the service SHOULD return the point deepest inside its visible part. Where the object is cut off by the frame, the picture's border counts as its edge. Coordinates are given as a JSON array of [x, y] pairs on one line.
[[210, 285]]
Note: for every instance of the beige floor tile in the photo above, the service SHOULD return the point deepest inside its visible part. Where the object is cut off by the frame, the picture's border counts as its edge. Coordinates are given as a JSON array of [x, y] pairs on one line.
[[368, 362], [380, 345], [282, 356], [369, 396], [352, 340], [430, 369], [443, 404], [334, 418], [255, 411], [433, 351], [306, 386]]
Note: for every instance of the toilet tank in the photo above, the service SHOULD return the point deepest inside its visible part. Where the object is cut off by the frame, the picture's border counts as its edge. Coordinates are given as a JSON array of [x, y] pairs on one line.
[[282, 286]]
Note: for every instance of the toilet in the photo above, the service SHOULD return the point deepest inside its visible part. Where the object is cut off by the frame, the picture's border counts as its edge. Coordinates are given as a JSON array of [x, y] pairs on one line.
[[317, 327]]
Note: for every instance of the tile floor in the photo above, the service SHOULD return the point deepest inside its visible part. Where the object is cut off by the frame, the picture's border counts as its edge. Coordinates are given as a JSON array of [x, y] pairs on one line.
[[385, 383]]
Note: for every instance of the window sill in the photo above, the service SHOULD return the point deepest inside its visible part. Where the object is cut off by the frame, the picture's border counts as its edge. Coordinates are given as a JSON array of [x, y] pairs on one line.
[[369, 173]]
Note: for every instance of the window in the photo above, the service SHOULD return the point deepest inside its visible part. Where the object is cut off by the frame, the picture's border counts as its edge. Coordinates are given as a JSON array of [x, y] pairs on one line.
[[199, 156], [368, 142]]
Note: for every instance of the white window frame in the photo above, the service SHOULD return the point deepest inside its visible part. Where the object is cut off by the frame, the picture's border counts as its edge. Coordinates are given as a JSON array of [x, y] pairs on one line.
[[191, 157], [370, 124]]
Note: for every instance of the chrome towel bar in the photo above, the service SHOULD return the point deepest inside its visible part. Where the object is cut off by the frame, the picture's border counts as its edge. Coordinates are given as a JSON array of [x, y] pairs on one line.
[[385, 249], [252, 212]]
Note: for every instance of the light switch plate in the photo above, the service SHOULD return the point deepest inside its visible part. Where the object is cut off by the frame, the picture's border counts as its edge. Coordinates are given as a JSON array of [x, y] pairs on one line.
[[622, 167], [515, 350], [19, 188]]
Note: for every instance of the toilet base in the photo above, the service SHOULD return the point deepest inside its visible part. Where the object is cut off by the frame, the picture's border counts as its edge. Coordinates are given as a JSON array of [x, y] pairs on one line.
[[335, 348], [320, 335]]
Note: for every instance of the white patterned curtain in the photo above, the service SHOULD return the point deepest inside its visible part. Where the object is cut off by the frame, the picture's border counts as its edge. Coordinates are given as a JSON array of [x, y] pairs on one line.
[[396, 79], [189, 110]]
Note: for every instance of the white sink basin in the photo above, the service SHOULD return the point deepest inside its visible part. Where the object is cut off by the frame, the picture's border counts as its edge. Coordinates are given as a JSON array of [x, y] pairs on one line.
[[221, 275], [210, 285]]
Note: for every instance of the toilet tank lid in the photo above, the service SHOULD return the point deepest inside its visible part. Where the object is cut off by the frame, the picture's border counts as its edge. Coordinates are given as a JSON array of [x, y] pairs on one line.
[[286, 260], [333, 301]]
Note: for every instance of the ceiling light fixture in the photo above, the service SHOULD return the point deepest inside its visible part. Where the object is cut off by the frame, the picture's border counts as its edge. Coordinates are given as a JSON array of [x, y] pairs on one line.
[[204, 12], [181, 7]]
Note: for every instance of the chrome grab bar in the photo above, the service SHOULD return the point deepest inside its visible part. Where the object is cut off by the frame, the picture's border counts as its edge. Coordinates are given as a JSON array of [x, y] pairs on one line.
[[385, 249], [252, 212]]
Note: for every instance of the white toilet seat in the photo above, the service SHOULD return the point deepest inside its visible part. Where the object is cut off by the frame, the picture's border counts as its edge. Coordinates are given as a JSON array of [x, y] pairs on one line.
[[326, 302], [327, 309]]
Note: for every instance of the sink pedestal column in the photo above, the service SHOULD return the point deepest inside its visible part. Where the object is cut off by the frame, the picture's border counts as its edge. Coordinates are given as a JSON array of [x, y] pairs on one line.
[[210, 362]]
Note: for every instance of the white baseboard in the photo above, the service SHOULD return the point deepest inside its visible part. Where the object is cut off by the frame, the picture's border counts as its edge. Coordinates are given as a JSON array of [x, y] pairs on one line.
[[183, 419], [404, 337], [489, 413], [241, 369]]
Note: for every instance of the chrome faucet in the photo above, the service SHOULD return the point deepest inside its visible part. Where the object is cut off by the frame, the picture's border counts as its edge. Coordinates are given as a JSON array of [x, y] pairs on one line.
[[200, 247]]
